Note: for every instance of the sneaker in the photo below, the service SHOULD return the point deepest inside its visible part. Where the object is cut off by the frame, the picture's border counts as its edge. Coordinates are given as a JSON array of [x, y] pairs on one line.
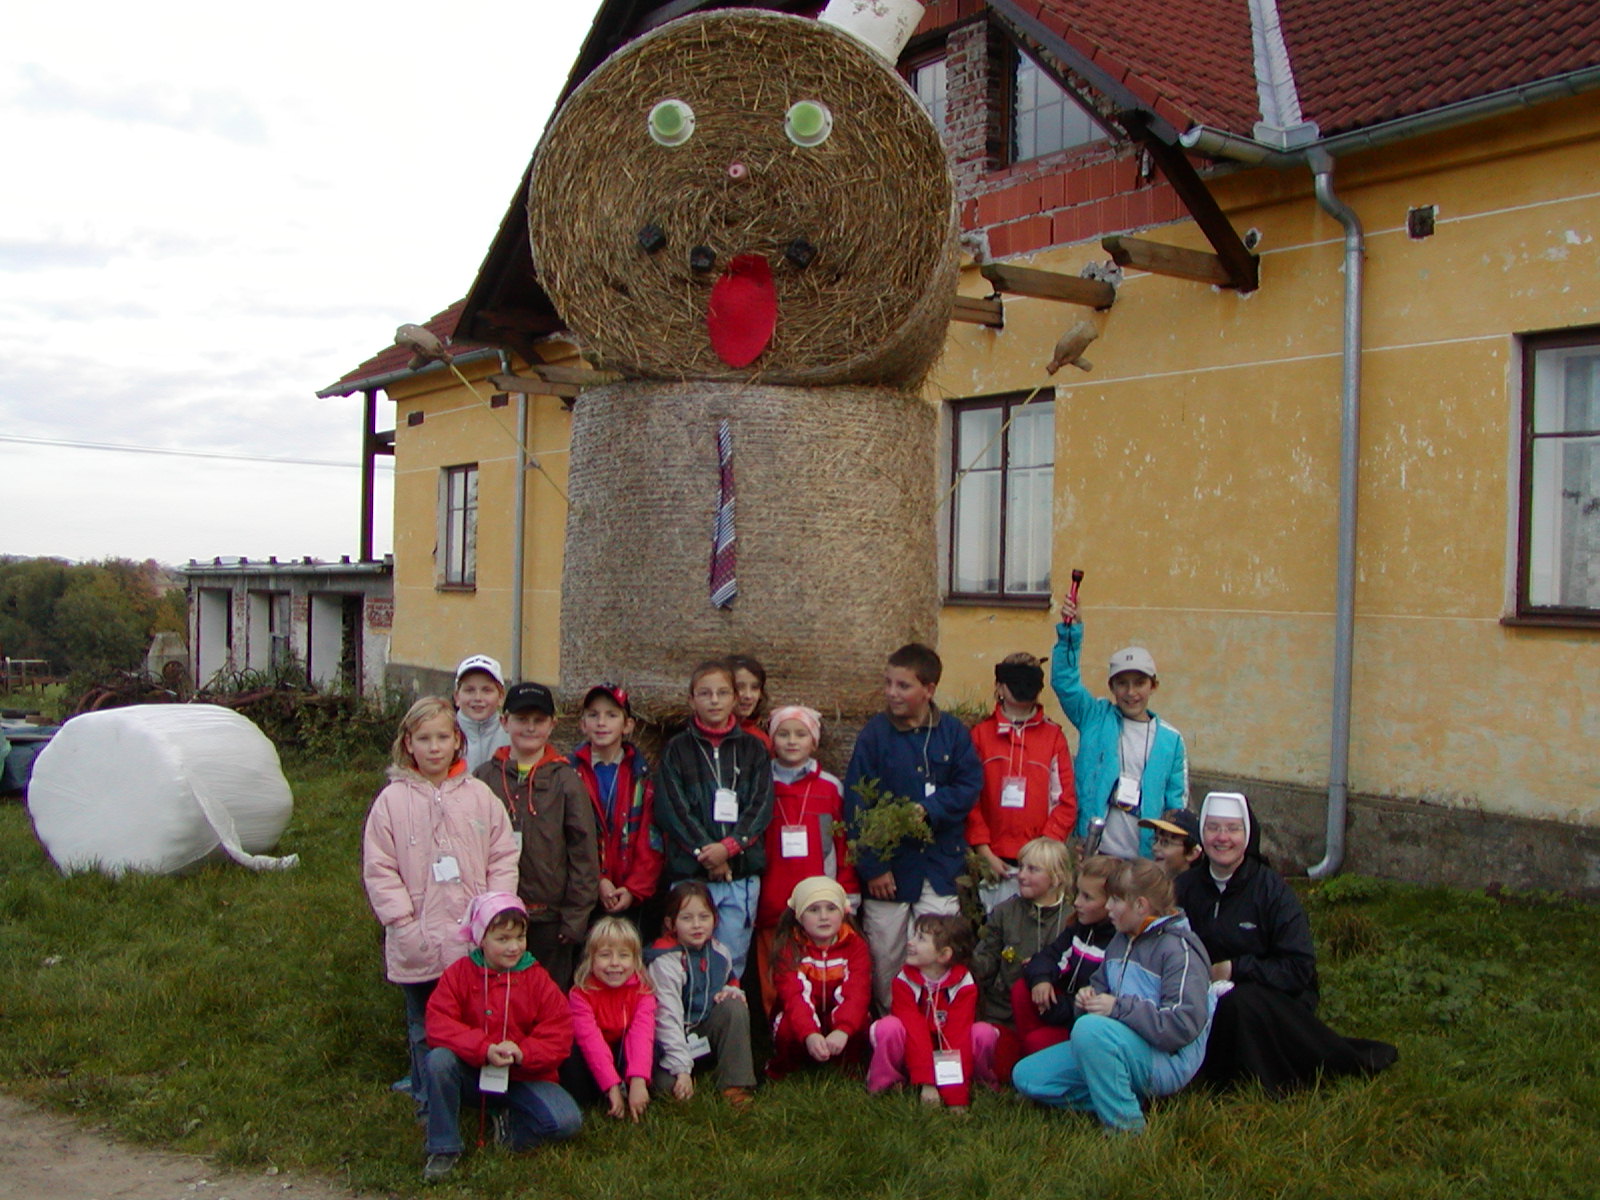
[[739, 1097], [438, 1166], [500, 1126], [402, 1085]]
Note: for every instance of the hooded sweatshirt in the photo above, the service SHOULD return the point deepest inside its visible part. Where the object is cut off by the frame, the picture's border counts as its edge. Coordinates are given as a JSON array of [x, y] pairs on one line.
[[1161, 978], [483, 738]]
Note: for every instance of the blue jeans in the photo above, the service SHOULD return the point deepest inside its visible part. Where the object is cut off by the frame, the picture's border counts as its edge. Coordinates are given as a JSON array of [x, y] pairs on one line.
[[1104, 1069], [416, 995], [736, 916], [539, 1111]]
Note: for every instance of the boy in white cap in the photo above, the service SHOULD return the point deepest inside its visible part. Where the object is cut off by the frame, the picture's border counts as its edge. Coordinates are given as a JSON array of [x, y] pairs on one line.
[[1130, 763], [480, 687]]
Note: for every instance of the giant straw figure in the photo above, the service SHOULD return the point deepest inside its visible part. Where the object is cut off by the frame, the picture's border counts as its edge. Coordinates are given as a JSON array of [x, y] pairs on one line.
[[750, 217]]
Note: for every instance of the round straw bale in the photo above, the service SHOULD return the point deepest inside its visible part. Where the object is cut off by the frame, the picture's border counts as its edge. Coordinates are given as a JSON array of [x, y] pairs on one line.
[[875, 201], [835, 537]]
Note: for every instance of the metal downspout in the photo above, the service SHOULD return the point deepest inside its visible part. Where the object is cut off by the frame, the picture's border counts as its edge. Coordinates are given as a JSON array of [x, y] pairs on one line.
[[518, 521], [1321, 163]]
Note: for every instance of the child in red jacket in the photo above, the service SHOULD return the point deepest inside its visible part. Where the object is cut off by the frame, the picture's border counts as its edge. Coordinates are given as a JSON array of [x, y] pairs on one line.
[[822, 974], [499, 1028], [807, 833], [1027, 776], [930, 1036], [624, 797]]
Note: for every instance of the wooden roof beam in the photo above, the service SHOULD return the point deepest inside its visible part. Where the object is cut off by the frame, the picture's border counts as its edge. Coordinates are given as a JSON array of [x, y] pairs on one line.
[[1161, 259], [1242, 267], [979, 310], [1049, 285]]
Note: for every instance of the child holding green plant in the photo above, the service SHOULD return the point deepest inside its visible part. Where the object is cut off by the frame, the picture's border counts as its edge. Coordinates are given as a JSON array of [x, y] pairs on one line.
[[913, 755]]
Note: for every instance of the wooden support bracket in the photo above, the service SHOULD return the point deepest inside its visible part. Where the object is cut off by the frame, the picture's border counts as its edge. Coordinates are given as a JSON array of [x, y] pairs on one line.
[[548, 380], [1049, 285], [1243, 267], [1161, 259], [978, 310]]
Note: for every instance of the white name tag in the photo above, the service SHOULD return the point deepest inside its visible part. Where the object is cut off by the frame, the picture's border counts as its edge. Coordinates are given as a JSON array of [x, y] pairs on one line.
[[516, 836], [725, 805], [446, 870], [1013, 792], [699, 1047], [947, 1068], [928, 789], [493, 1079], [1127, 793], [792, 841]]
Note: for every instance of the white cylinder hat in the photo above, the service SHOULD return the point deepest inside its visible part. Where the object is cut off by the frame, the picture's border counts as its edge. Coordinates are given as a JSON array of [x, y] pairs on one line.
[[884, 26]]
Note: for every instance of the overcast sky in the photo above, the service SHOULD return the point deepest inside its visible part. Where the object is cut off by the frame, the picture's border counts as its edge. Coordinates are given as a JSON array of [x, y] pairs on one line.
[[211, 211]]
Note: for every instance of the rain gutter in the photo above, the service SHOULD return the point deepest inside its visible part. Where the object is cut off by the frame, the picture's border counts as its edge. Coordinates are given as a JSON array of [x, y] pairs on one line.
[[1319, 156]]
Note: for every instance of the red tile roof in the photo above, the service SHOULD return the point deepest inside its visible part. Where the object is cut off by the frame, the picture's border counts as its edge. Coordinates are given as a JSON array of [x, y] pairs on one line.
[[1355, 62], [1358, 62], [392, 359], [1190, 62]]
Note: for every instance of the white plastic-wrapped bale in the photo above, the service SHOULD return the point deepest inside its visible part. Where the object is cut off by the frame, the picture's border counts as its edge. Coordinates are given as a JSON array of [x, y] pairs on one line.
[[159, 788]]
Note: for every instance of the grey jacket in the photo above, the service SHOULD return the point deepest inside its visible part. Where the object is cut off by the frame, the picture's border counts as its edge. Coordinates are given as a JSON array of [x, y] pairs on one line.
[[1162, 982]]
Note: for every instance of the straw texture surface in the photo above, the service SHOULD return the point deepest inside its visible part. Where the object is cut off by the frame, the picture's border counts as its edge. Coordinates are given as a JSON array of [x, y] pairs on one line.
[[836, 544], [875, 201]]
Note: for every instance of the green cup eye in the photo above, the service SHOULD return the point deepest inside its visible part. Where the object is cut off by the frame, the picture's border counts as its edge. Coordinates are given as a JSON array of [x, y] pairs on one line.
[[808, 123], [671, 123]]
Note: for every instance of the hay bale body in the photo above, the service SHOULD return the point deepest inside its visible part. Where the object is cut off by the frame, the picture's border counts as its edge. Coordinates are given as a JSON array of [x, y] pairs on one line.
[[836, 544], [159, 788], [875, 200]]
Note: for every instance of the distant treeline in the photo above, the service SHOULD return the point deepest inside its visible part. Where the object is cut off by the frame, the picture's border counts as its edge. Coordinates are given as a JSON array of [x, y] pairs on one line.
[[86, 616]]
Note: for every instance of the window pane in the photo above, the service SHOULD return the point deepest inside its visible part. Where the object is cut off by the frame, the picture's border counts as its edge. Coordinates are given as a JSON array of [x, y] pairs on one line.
[[1564, 535], [1033, 435], [977, 440], [977, 549], [1045, 118], [928, 81], [1028, 530]]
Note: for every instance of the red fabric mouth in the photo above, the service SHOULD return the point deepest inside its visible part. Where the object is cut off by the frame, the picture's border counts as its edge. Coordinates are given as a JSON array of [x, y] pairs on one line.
[[743, 311]]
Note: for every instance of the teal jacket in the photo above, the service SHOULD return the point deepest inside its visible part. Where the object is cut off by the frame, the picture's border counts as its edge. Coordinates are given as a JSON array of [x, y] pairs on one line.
[[1165, 782]]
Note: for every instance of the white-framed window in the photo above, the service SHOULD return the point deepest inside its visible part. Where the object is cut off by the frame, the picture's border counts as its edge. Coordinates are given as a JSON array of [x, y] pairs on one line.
[[1559, 537], [929, 80], [1044, 117], [458, 526], [1003, 460]]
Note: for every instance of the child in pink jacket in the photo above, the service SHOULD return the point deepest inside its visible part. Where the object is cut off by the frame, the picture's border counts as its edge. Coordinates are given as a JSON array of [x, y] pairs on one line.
[[613, 1021], [433, 841]]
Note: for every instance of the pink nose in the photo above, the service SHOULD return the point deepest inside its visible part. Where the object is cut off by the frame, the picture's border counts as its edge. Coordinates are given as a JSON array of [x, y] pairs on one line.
[[737, 170]]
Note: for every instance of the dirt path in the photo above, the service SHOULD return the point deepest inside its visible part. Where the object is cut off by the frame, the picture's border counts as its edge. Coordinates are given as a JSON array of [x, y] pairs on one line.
[[46, 1157]]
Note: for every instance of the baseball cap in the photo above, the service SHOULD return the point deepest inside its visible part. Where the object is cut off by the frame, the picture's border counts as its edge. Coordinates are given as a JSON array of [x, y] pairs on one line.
[[530, 697], [1131, 658], [1177, 821], [617, 695], [481, 662]]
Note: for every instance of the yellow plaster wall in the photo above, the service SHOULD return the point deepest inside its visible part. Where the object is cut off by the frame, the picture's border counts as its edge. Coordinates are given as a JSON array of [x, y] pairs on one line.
[[1197, 474], [435, 627]]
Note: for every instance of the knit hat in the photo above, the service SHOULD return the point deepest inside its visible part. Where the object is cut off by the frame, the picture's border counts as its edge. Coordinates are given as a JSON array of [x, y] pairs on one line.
[[483, 909], [809, 717], [818, 887]]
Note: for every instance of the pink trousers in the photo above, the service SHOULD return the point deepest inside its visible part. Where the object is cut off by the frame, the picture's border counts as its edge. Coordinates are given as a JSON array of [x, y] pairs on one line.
[[888, 1067]]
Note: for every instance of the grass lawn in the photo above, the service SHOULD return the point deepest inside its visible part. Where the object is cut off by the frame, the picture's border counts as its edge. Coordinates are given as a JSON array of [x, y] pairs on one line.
[[245, 1016]]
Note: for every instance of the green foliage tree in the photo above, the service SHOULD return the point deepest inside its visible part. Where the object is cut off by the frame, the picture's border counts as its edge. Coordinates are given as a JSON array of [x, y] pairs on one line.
[[88, 616]]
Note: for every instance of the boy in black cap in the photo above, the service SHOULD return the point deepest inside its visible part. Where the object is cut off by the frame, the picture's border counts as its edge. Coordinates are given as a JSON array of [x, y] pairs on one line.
[[1177, 844], [558, 869]]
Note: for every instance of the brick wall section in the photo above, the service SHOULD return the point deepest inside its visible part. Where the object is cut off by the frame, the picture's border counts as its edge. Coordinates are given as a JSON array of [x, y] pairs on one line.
[[1062, 198]]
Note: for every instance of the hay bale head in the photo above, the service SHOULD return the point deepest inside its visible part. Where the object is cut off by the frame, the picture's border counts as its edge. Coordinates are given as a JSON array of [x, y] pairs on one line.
[[835, 540], [744, 195]]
